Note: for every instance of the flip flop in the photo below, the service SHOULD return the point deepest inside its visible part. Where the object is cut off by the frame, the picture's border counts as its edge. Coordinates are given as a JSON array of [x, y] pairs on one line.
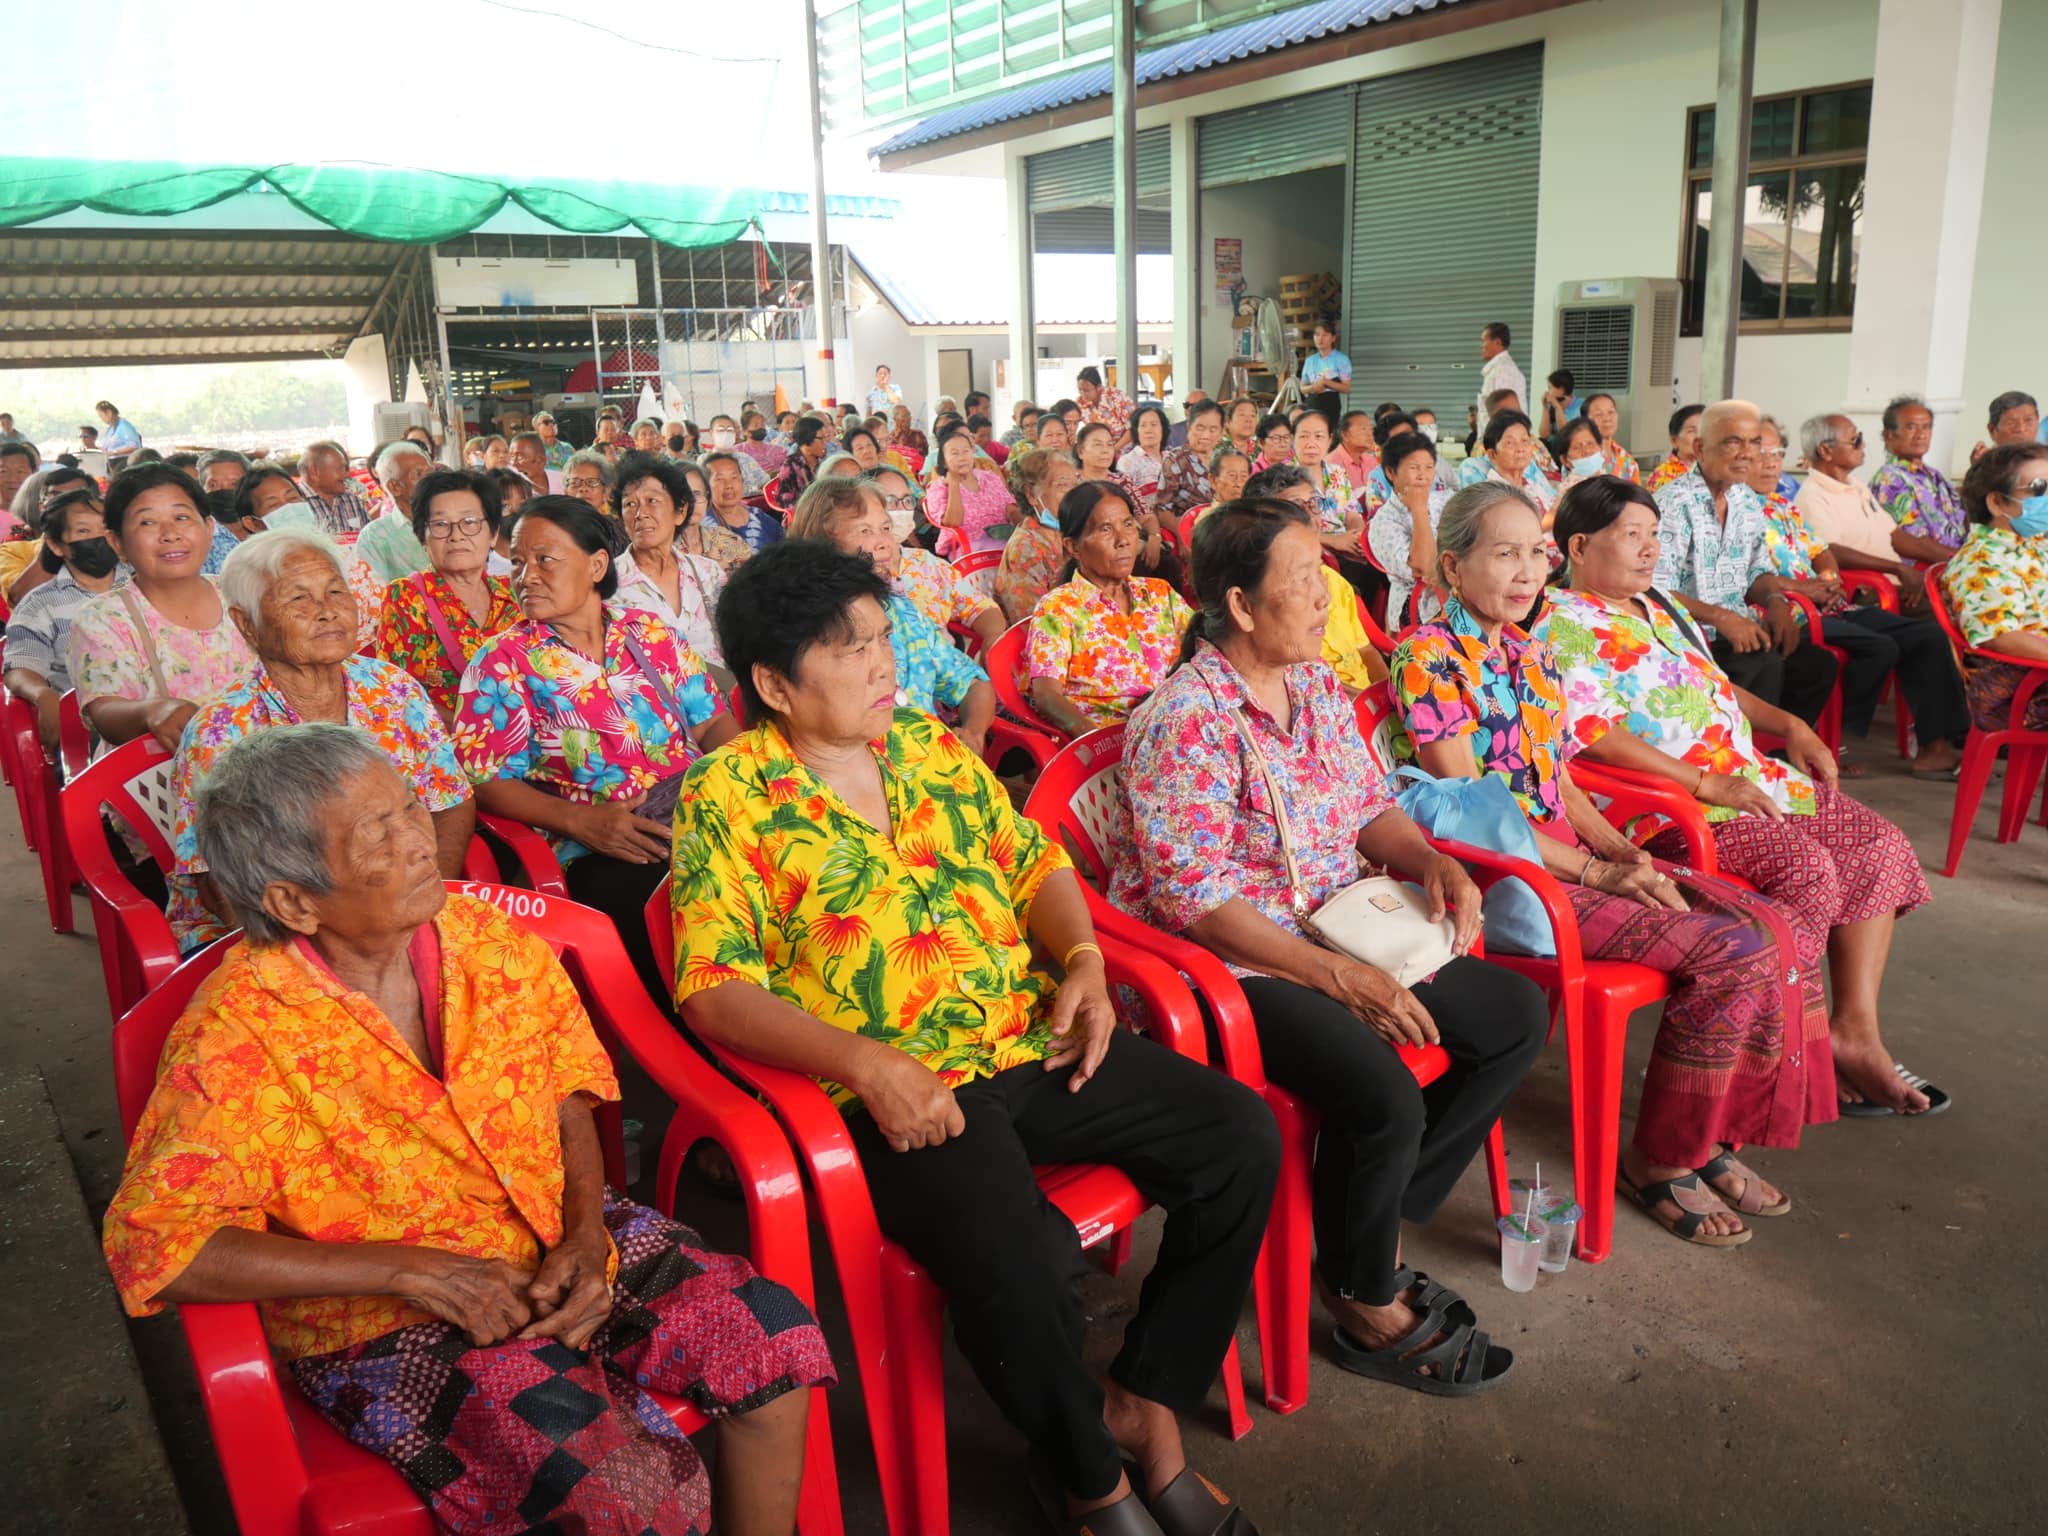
[[1126, 1517], [1695, 1204], [1191, 1505], [1863, 1109], [1751, 1203]]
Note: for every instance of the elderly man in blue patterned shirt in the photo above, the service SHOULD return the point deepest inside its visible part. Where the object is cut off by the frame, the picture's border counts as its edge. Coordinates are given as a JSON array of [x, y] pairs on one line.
[[1712, 557]]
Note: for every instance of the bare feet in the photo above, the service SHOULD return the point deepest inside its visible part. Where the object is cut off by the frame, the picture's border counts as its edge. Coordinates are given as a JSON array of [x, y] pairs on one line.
[[1379, 1327], [1641, 1171], [1864, 1074], [1149, 1433], [1936, 759]]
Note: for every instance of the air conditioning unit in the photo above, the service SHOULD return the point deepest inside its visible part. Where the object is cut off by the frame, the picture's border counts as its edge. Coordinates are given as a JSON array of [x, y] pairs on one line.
[[390, 420], [1617, 335]]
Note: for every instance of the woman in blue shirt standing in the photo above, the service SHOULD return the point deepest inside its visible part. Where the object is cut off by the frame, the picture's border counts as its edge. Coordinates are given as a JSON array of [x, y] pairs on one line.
[[1326, 376], [120, 438]]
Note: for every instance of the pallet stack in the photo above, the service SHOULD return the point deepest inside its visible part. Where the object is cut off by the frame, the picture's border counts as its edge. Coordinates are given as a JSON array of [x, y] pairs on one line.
[[1305, 298]]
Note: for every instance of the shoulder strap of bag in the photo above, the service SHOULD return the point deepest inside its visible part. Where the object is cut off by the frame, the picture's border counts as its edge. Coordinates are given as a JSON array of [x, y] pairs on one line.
[[1679, 617], [1251, 747], [133, 604], [654, 678], [443, 631]]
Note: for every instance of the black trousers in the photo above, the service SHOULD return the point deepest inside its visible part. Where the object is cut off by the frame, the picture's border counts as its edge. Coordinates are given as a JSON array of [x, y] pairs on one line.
[[620, 890], [1912, 644], [1799, 684], [969, 1210], [1390, 1150]]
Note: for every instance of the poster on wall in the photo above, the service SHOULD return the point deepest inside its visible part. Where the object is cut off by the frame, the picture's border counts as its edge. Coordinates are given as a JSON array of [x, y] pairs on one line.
[[1229, 272]]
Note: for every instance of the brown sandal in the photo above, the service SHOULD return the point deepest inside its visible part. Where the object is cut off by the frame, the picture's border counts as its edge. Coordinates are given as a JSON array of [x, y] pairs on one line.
[[1751, 1200], [1695, 1204]]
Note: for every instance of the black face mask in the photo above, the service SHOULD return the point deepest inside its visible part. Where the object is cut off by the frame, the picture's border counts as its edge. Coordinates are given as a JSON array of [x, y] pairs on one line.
[[677, 443], [759, 434], [92, 557]]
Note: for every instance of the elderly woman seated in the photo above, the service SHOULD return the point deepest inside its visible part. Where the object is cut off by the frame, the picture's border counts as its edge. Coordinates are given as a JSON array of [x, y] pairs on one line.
[[432, 622], [581, 718], [376, 1120], [931, 672], [1647, 694], [1248, 800], [146, 654], [939, 592], [856, 899], [286, 594], [1105, 639], [1997, 585], [653, 499], [1479, 696], [1184, 471], [1034, 555], [1402, 532]]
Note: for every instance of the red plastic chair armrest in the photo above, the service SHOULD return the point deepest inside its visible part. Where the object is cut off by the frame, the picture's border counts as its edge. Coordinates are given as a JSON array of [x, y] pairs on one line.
[[532, 851], [1877, 583], [74, 745], [1632, 794], [1169, 1007], [244, 1397]]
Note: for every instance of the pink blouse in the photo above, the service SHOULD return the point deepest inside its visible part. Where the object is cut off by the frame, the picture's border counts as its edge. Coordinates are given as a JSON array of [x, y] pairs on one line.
[[987, 505]]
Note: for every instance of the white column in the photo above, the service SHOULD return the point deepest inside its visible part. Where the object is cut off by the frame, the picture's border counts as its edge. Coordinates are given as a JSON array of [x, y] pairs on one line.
[[1123, 161], [825, 374], [1023, 330], [1723, 302], [1186, 228], [1930, 129]]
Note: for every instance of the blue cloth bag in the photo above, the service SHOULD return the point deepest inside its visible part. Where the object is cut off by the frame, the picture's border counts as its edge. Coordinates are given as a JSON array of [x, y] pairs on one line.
[[1485, 813]]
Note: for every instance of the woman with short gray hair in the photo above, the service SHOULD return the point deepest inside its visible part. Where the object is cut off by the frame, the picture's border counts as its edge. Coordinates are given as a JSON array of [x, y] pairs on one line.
[[588, 477], [292, 606], [377, 1121]]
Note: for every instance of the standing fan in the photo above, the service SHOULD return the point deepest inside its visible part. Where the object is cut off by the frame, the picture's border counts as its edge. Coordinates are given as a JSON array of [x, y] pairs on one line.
[[1278, 354]]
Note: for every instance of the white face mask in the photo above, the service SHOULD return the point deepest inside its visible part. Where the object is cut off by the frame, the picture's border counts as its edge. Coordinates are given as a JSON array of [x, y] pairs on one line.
[[1427, 429], [901, 522], [722, 437]]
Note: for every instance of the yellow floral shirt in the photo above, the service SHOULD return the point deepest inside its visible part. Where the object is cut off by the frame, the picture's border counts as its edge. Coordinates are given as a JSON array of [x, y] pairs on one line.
[[916, 939], [1997, 583], [287, 1103]]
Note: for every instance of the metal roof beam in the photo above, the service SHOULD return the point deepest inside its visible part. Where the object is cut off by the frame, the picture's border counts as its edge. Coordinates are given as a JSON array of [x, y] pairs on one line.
[[85, 302], [87, 265], [114, 360], [340, 334]]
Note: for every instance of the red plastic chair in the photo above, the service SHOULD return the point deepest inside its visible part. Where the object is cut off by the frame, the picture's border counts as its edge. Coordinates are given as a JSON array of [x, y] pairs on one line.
[[981, 567], [1005, 664], [2025, 750], [894, 1311], [1884, 591], [36, 785], [289, 1472], [534, 855], [133, 782]]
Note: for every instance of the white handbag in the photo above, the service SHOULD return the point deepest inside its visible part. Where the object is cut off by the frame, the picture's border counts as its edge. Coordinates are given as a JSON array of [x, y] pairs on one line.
[[1378, 921]]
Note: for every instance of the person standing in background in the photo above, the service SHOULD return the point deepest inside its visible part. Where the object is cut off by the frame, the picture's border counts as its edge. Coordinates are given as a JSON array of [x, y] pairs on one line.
[[1498, 370], [120, 439], [1326, 375]]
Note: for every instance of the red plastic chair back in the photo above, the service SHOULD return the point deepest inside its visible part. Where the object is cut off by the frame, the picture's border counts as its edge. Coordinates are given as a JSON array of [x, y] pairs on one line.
[[74, 743], [980, 567], [22, 751], [133, 782], [36, 786], [1005, 665]]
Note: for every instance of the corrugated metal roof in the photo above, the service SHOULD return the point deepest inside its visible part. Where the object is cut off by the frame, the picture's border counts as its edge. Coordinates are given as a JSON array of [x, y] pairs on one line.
[[1302, 24]]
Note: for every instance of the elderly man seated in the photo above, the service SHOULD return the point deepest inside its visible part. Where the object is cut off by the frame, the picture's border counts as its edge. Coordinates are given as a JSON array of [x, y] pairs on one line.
[[2015, 422], [1842, 512], [330, 489], [855, 898], [1712, 559], [387, 545], [1927, 508], [376, 1120], [285, 591]]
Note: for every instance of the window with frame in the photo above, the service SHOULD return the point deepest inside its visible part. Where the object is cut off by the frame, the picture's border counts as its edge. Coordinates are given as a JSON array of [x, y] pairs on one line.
[[1802, 210]]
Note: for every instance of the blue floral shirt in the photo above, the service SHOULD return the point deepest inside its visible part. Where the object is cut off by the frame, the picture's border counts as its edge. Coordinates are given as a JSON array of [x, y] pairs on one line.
[[1709, 560]]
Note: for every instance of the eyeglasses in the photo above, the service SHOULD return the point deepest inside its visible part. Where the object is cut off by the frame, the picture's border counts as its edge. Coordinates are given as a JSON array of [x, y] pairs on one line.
[[468, 527], [2031, 489], [899, 503], [1774, 455], [582, 484]]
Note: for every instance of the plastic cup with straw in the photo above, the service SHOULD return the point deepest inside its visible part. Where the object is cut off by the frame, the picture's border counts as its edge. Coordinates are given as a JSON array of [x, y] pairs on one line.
[[1521, 1246]]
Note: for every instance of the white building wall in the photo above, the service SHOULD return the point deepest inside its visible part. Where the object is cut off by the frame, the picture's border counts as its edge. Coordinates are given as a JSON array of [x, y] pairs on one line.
[[2008, 333]]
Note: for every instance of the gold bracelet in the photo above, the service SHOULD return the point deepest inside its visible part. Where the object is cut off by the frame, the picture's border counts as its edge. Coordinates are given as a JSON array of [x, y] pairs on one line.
[[1067, 960]]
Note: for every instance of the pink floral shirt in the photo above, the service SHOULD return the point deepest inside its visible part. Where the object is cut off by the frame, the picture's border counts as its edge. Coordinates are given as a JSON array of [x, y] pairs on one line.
[[110, 657], [986, 503], [1195, 823], [1102, 658], [938, 591]]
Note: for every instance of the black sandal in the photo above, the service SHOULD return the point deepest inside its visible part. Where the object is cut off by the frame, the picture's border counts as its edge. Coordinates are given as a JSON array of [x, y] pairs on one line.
[[1191, 1505], [1430, 1293], [1466, 1360], [1126, 1517], [1685, 1226]]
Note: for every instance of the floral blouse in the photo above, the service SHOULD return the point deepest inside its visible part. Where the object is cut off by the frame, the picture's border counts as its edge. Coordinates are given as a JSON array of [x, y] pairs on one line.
[[1506, 700], [719, 542], [1666, 472], [698, 582], [1997, 583], [1195, 824], [941, 593], [535, 708], [1106, 660], [384, 703], [287, 1102], [1621, 462], [407, 636], [1648, 676], [914, 937], [1183, 482], [1791, 549], [1921, 500], [985, 504], [931, 671], [1033, 558], [1142, 470], [1336, 500], [110, 655]]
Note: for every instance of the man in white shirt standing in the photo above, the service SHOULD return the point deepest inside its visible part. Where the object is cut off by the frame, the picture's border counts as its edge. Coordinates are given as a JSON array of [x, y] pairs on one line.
[[1499, 371]]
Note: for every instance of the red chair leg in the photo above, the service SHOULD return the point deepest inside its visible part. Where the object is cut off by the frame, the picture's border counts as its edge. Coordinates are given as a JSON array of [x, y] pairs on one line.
[[1497, 1171], [1286, 1279], [1904, 716], [1597, 1048], [1233, 1392], [1117, 1252], [917, 1380], [2022, 772], [1978, 756]]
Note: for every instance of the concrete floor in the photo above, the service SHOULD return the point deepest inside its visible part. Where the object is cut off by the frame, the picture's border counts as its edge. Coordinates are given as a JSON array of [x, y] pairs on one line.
[[1873, 1362]]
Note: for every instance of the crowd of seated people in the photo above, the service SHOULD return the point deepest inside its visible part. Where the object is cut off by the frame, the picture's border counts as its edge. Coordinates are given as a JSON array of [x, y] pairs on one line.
[[549, 635]]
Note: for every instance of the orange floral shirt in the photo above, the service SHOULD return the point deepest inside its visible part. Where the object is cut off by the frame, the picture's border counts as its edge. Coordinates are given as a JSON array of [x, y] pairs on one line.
[[287, 1103]]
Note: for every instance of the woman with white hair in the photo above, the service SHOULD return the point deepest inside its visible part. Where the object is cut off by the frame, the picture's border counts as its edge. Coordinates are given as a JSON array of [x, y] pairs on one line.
[[291, 604]]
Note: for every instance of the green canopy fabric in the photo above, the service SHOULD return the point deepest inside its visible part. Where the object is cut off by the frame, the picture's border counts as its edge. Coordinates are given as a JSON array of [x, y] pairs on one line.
[[379, 202]]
